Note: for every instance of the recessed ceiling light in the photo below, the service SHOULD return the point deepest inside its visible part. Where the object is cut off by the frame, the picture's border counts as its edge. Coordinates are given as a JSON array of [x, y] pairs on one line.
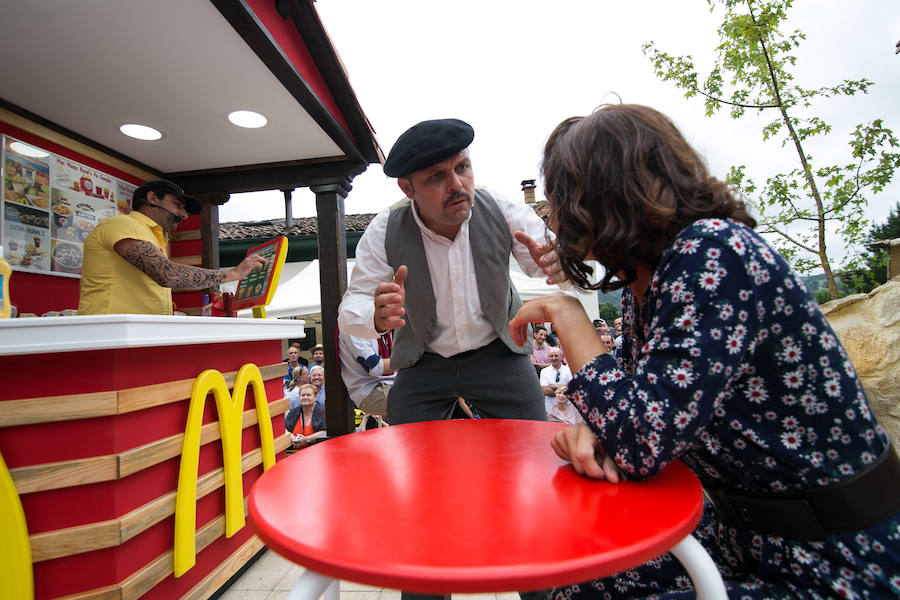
[[247, 118], [140, 132], [26, 150]]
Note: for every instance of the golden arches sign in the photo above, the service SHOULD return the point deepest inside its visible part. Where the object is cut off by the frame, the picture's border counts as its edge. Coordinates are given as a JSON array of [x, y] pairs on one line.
[[230, 408], [16, 574]]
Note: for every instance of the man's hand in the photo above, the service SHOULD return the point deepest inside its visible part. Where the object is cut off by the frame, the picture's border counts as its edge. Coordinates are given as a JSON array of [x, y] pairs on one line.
[[253, 261], [578, 445], [389, 299], [543, 256]]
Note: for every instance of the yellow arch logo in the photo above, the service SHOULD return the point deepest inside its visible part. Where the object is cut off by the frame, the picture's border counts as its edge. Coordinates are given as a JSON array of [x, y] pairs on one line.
[[230, 410], [15, 548]]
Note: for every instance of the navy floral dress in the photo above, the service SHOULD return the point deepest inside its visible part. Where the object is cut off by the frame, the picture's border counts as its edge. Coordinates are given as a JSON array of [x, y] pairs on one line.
[[730, 366]]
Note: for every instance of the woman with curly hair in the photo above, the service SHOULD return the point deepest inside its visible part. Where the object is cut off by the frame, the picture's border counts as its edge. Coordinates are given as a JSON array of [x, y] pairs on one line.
[[727, 364]]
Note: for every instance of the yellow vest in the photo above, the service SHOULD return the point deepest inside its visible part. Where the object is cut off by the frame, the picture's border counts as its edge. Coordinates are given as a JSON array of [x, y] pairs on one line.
[[112, 285]]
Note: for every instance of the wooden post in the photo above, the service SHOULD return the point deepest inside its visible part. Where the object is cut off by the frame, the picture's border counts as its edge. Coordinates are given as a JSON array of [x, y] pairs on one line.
[[288, 212], [333, 282]]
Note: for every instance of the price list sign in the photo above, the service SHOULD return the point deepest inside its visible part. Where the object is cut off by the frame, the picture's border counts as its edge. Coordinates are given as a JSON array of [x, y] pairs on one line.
[[258, 287]]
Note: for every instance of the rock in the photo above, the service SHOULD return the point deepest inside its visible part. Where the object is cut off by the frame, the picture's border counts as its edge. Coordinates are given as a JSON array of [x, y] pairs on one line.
[[869, 327]]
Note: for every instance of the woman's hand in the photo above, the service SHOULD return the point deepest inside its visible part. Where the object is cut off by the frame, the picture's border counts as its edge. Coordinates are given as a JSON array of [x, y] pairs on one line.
[[576, 332], [578, 445]]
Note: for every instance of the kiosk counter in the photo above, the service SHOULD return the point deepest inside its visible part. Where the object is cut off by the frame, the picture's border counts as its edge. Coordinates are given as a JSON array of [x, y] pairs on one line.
[[114, 457]]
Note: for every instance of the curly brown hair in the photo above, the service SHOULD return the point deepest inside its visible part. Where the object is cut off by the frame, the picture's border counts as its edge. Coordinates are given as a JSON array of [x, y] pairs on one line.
[[621, 183]]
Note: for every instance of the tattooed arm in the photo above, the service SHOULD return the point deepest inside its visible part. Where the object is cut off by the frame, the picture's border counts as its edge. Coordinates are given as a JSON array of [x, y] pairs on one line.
[[167, 273]]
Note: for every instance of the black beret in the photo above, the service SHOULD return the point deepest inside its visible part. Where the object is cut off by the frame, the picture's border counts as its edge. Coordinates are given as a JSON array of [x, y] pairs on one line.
[[427, 143]]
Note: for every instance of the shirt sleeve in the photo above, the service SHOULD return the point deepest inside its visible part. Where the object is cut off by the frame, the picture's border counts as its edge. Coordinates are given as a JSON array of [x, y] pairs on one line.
[[702, 327], [521, 217], [362, 352], [356, 314]]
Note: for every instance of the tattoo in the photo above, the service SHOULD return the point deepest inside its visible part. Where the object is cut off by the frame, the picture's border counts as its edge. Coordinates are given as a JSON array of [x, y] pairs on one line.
[[156, 265]]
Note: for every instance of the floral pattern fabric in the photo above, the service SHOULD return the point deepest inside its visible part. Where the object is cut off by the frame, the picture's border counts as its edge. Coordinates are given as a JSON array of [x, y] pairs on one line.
[[730, 366]]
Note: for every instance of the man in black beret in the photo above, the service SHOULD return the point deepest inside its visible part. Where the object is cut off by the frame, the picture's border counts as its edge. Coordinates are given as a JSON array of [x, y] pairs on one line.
[[435, 269], [125, 266]]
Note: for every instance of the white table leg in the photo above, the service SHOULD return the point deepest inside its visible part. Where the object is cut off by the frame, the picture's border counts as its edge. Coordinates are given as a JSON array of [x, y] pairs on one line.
[[701, 568], [311, 585]]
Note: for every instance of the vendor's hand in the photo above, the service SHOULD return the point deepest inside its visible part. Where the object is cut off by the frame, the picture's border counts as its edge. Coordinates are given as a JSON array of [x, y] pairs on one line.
[[578, 445], [253, 261], [389, 298], [544, 256]]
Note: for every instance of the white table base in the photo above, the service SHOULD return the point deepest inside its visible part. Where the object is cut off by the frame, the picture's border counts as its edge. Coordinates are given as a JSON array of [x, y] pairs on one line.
[[703, 571]]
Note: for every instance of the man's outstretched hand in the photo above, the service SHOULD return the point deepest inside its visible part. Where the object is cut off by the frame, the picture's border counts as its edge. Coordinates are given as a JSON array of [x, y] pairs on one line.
[[389, 299], [544, 256]]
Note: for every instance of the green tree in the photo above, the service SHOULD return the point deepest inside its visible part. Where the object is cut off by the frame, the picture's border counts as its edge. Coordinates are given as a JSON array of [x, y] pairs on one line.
[[873, 271], [752, 71], [609, 312]]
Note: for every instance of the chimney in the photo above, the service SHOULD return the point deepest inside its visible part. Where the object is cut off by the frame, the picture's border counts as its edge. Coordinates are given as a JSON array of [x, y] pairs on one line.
[[528, 188]]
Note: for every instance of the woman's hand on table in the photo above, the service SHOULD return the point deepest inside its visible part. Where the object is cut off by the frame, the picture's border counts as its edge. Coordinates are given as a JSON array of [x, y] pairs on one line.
[[576, 332], [578, 445]]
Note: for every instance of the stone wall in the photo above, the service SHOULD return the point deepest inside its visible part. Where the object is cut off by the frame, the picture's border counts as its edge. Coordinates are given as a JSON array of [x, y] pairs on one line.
[[869, 327]]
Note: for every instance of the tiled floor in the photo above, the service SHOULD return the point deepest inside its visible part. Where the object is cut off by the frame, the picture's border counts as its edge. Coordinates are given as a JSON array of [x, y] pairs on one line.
[[271, 578]]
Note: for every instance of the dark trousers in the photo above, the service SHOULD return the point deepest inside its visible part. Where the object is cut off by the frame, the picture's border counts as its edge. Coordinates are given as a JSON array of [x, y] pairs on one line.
[[497, 382]]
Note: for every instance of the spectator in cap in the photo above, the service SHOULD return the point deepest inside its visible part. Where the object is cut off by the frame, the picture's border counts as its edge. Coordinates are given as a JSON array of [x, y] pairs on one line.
[[125, 266], [435, 269]]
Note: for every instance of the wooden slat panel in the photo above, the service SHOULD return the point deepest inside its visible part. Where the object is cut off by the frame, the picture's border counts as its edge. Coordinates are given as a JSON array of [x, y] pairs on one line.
[[194, 260], [74, 540], [105, 534], [181, 236], [221, 574], [57, 408], [136, 459], [138, 398], [67, 473], [148, 515], [48, 409], [140, 582]]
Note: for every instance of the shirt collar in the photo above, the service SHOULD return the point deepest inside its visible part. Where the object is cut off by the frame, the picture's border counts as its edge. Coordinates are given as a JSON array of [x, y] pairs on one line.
[[136, 214]]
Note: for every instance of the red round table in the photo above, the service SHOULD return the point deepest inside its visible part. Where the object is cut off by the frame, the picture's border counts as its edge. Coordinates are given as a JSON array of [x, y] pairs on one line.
[[468, 506]]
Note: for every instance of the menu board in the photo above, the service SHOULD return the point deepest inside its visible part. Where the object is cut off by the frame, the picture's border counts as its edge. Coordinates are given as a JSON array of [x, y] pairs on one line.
[[50, 205], [258, 287]]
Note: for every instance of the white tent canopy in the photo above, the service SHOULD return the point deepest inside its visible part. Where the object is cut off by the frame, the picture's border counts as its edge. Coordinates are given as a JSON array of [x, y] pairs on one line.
[[300, 294]]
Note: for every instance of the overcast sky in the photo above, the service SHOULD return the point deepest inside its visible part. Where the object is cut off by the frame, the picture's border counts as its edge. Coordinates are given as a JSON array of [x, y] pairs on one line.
[[515, 69]]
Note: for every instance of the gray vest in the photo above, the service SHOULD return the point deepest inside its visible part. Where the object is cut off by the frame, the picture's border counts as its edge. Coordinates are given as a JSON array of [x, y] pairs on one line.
[[491, 245]]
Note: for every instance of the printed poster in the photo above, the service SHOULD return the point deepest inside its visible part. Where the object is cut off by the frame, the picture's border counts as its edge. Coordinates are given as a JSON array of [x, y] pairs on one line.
[[50, 205]]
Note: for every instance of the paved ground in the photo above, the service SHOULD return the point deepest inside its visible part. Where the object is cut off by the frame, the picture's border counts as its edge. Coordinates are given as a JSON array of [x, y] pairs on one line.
[[271, 578]]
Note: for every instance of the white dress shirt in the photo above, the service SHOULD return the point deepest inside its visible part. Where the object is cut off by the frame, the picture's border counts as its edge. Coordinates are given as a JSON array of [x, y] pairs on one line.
[[358, 381], [460, 325], [553, 377]]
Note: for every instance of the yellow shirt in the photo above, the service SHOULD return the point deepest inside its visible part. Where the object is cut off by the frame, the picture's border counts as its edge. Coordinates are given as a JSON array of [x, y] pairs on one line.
[[112, 285]]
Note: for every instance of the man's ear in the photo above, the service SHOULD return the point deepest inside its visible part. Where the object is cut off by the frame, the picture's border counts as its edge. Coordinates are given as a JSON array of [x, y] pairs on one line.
[[406, 186]]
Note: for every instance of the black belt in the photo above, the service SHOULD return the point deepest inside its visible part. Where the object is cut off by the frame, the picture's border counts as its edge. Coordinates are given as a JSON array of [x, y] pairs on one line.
[[856, 503]]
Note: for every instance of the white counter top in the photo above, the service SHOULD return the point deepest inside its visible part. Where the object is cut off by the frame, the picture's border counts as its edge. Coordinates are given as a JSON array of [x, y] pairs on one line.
[[40, 335]]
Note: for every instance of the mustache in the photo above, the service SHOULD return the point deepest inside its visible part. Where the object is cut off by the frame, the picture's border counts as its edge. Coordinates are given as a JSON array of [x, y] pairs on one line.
[[457, 196]]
